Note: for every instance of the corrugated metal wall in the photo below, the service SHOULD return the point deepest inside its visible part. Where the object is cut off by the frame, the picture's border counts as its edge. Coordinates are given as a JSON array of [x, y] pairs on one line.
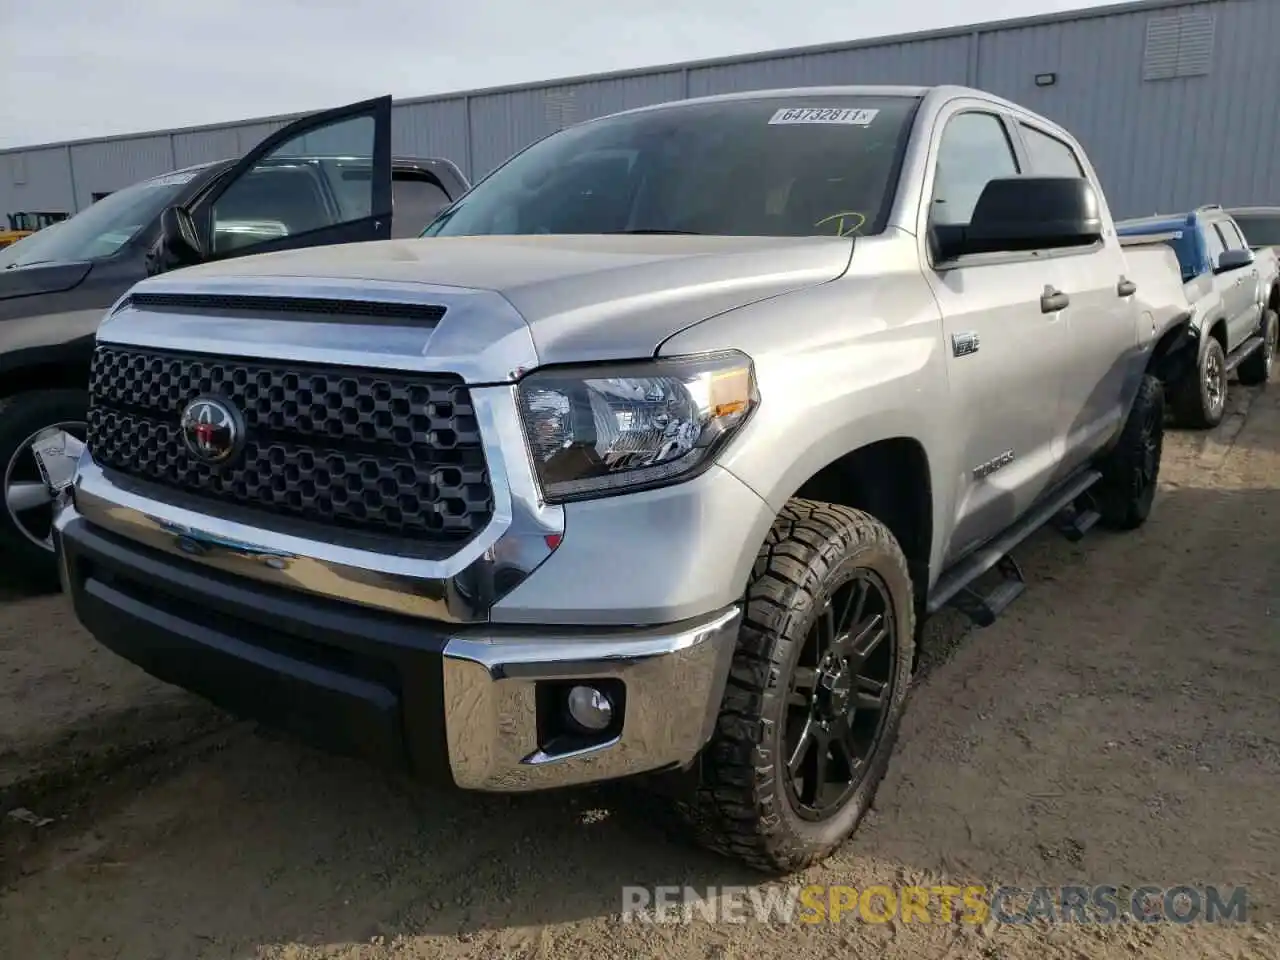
[[118, 163], [925, 62], [1159, 144], [434, 129], [1175, 103], [36, 180]]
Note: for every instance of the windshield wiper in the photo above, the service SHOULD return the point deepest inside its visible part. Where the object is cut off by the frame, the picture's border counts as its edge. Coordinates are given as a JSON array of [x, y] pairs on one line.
[[688, 233]]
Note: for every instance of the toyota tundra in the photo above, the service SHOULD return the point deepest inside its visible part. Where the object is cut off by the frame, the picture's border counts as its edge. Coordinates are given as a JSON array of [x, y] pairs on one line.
[[647, 458]]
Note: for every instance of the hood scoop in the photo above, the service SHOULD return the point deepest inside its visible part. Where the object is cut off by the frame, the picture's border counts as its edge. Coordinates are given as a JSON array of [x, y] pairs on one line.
[[311, 308]]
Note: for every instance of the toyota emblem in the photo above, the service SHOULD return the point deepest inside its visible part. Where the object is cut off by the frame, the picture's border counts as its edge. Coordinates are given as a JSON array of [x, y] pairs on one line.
[[212, 430]]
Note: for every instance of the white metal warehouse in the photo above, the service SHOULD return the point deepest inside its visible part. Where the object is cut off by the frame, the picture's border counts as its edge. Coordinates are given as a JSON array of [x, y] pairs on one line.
[[1175, 100]]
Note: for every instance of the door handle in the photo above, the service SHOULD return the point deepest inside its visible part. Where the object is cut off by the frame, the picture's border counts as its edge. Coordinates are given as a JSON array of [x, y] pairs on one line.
[[1126, 287], [1051, 301]]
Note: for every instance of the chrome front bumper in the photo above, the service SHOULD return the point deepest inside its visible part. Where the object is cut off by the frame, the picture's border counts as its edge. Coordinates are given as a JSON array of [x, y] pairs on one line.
[[674, 679], [451, 702]]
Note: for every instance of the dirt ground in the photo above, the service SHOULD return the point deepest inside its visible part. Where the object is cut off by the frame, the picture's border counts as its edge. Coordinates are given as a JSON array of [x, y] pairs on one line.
[[1119, 725]]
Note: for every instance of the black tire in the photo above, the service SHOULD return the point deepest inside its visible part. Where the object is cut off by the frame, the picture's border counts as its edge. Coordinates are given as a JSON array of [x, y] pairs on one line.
[[1193, 402], [1131, 469], [1256, 369], [745, 805], [21, 416]]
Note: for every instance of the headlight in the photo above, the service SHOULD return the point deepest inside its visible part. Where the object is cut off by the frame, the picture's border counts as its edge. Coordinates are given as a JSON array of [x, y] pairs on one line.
[[613, 429]]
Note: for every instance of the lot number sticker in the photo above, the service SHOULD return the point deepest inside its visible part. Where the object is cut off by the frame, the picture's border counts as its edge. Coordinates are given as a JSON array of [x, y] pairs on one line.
[[845, 115]]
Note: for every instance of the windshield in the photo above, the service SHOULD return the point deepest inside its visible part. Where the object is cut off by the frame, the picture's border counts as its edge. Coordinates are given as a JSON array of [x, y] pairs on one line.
[[102, 229], [806, 166], [1259, 229], [18, 248]]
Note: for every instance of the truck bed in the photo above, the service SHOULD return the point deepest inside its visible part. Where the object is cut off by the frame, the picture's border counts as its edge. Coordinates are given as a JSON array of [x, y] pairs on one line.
[[1153, 266]]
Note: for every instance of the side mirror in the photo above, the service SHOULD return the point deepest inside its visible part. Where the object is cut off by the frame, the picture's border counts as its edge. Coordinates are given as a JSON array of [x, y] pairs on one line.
[[179, 239], [1233, 260], [1030, 213]]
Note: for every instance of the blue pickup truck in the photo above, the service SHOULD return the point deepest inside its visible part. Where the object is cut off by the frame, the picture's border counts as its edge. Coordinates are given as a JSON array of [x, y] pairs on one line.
[[1235, 295]]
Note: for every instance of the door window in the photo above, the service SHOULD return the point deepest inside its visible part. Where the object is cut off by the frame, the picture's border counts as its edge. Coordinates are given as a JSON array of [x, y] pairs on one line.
[[1214, 244], [974, 150], [290, 192], [1231, 236], [349, 181], [1049, 156]]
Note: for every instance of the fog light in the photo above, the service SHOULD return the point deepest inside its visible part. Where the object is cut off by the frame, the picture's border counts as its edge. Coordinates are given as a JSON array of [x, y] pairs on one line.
[[590, 708]]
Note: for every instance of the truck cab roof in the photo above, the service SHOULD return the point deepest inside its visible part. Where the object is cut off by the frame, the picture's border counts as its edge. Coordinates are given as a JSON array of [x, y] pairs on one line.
[[936, 94]]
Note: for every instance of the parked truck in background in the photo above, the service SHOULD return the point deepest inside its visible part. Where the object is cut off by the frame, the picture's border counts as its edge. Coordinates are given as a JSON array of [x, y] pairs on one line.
[[648, 458], [1260, 226], [1234, 290], [327, 178]]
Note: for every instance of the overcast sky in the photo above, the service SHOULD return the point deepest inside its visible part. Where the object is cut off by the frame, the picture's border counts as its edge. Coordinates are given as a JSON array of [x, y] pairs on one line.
[[85, 68]]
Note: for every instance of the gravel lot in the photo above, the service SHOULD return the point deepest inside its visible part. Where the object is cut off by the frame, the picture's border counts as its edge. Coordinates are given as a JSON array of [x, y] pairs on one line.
[[1119, 725]]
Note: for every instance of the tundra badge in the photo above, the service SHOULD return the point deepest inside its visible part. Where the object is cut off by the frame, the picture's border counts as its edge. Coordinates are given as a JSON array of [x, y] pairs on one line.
[[983, 470], [963, 344]]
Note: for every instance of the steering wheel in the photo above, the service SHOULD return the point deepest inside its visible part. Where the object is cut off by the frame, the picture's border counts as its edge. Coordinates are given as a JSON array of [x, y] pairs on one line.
[[848, 222]]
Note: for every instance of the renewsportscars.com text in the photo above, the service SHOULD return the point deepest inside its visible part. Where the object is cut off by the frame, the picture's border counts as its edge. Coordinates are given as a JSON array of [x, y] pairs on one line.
[[973, 904]]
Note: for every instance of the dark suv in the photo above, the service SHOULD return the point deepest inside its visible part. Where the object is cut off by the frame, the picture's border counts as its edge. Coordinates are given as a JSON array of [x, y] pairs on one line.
[[325, 179]]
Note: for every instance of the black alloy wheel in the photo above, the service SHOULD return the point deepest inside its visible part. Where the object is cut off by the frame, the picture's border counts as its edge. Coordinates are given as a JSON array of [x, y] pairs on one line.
[[840, 691]]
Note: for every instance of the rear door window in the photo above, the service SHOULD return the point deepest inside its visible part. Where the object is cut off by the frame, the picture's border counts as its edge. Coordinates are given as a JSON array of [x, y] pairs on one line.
[[1049, 156]]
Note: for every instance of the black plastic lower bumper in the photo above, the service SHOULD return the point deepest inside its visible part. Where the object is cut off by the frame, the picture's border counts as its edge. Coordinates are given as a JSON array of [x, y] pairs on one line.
[[352, 681]]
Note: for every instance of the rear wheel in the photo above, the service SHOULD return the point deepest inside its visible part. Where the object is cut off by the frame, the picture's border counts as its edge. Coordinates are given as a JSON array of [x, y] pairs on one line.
[[26, 519], [1201, 399], [1256, 368], [816, 691], [1131, 471]]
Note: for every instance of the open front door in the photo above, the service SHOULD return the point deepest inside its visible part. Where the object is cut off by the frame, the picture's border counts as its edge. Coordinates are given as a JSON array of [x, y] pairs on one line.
[[321, 180]]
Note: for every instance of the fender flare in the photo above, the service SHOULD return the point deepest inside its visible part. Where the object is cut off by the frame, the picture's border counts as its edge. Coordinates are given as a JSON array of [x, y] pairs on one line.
[[1176, 351], [71, 355]]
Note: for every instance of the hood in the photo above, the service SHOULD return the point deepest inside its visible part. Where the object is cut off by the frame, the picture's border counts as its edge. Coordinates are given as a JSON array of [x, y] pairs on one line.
[[584, 297], [42, 278]]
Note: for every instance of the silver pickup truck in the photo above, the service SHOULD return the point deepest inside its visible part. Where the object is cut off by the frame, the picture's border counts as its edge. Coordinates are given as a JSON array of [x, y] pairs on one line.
[[1234, 292], [649, 458]]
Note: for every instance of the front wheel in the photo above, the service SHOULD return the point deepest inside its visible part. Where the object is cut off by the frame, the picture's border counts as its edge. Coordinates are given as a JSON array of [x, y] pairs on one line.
[[26, 517], [817, 688]]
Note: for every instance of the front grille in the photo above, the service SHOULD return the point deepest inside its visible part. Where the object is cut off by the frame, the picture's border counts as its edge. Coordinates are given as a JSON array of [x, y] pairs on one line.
[[367, 450]]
